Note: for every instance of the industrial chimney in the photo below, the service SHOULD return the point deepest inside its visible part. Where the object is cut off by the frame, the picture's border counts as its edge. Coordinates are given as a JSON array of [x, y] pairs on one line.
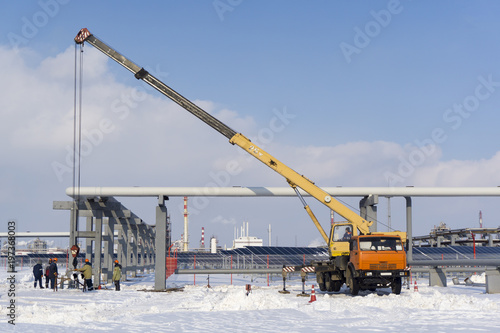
[[185, 239]]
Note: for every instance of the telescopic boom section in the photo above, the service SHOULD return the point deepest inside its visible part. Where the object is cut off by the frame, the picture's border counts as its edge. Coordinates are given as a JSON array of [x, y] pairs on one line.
[[293, 178], [140, 73]]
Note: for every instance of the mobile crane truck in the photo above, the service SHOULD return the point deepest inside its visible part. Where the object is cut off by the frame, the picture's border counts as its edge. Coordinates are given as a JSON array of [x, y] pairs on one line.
[[363, 260]]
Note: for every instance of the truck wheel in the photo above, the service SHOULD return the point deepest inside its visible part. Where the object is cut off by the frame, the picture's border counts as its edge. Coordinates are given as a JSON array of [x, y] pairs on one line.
[[396, 286], [354, 286], [337, 285], [353, 283], [328, 282], [321, 281]]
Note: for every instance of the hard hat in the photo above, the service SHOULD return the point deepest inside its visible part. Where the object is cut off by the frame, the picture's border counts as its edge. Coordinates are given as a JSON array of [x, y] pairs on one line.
[[86, 260], [55, 259], [50, 260], [116, 261]]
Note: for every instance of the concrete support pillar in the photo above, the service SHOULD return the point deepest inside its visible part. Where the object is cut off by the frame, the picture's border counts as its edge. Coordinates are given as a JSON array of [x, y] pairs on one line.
[[160, 243], [97, 248], [454, 240], [140, 248], [151, 249], [490, 240], [125, 248], [120, 246], [492, 281], [409, 230], [88, 241], [437, 277], [368, 210], [133, 239], [109, 229], [147, 249], [439, 240], [130, 252], [73, 227]]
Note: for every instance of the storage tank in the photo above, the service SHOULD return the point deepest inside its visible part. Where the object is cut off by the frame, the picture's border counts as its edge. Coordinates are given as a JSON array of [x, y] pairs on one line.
[[213, 245]]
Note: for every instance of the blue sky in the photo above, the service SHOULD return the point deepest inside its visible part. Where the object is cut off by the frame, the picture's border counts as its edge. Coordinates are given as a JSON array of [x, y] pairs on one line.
[[367, 83]]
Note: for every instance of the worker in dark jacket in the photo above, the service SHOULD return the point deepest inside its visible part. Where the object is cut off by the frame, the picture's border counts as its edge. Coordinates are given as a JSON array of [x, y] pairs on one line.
[[347, 235], [38, 273], [53, 274], [87, 274], [117, 275], [47, 273]]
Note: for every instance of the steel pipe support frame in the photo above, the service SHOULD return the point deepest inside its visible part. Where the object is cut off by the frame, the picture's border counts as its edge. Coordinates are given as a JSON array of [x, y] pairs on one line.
[[161, 245]]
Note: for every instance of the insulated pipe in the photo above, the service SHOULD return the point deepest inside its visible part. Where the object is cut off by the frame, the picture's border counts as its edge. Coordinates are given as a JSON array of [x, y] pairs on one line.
[[230, 271], [453, 269], [37, 234], [463, 262], [43, 234], [284, 191]]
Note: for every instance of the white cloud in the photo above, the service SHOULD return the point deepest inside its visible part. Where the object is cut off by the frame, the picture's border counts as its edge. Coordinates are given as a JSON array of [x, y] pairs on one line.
[[37, 102], [482, 172]]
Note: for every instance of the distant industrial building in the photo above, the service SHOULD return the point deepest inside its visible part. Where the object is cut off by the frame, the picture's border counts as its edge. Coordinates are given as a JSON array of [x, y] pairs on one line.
[[244, 239], [442, 236]]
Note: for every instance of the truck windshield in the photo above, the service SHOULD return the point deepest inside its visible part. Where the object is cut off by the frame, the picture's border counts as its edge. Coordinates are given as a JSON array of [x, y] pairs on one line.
[[342, 233], [380, 244]]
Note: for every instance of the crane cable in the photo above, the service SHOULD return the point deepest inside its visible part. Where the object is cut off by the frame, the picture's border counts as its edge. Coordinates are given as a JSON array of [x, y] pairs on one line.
[[77, 130]]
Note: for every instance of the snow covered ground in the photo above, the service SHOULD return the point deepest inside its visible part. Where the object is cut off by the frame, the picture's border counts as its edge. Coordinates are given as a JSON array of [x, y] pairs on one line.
[[226, 308]]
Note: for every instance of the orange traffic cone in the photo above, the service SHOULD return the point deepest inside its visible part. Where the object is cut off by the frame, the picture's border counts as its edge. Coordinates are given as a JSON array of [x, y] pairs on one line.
[[416, 287], [313, 295]]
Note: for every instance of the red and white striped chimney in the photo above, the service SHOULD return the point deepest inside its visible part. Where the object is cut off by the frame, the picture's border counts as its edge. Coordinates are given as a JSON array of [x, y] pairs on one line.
[[202, 237], [185, 245]]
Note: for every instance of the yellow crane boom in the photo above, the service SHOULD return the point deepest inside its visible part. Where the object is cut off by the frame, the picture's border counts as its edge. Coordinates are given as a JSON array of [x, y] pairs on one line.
[[293, 178]]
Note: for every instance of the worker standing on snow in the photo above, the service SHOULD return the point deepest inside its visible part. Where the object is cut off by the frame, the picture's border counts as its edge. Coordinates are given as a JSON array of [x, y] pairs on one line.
[[117, 274], [38, 273], [47, 273], [87, 274], [53, 274]]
